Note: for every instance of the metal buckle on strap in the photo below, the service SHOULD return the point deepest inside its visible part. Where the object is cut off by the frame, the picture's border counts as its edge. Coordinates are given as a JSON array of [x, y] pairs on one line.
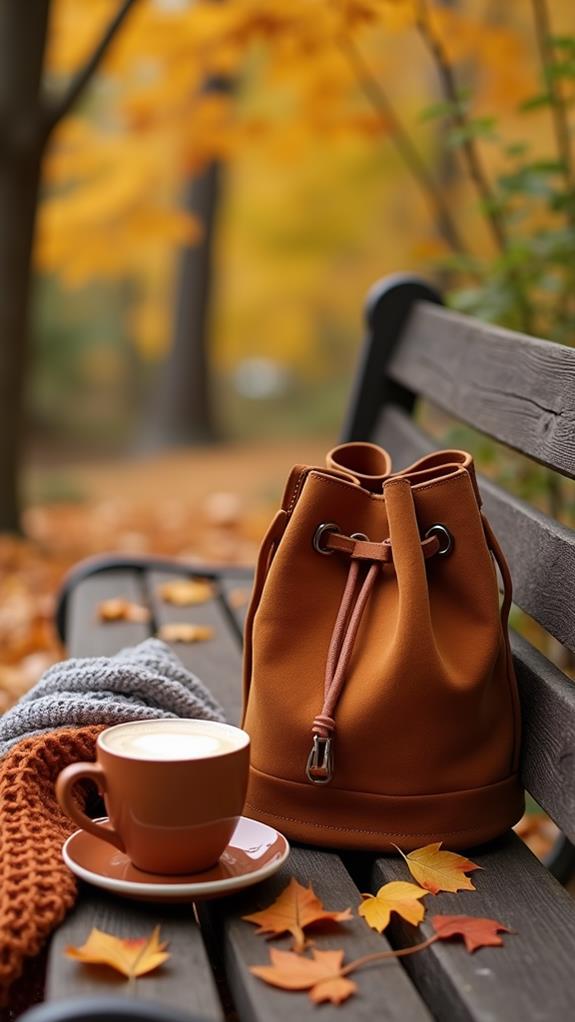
[[319, 768]]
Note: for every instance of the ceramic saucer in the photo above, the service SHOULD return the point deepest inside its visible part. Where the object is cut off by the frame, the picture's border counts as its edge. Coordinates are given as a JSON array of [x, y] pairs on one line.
[[254, 853]]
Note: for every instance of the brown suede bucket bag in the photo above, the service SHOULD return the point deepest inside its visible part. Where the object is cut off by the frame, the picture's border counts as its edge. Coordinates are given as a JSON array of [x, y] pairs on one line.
[[379, 690]]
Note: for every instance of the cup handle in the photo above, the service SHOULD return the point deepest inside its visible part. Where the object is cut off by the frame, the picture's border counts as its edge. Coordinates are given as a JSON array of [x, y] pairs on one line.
[[69, 776]]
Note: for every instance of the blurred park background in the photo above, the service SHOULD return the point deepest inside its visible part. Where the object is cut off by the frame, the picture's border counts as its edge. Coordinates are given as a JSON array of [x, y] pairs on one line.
[[195, 196]]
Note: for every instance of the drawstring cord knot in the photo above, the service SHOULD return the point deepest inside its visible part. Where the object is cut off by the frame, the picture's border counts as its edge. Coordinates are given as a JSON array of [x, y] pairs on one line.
[[319, 769]]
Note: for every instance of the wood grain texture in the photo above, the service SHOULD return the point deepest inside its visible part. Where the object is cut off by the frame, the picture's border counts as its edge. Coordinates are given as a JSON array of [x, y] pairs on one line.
[[218, 661], [531, 978], [87, 635], [540, 551], [385, 993], [185, 981], [515, 388], [541, 557]]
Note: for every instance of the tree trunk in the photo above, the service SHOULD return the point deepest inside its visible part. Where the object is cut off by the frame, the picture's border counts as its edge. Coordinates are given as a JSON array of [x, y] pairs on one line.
[[18, 199], [23, 28], [182, 413]]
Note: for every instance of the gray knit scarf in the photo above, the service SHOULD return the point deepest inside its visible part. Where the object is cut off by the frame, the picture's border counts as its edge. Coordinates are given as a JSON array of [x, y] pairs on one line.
[[136, 684]]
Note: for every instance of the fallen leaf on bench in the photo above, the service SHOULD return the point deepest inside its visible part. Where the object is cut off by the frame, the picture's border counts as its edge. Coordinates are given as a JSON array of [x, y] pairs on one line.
[[475, 931], [120, 609], [438, 870], [398, 896], [325, 977], [296, 908], [185, 592], [320, 975], [183, 632], [131, 957]]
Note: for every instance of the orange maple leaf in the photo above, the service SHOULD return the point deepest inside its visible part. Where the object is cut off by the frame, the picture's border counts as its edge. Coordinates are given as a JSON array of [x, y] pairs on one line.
[[326, 978], [475, 931], [181, 631], [321, 975], [296, 908], [438, 870], [397, 896], [187, 592], [118, 608], [130, 956]]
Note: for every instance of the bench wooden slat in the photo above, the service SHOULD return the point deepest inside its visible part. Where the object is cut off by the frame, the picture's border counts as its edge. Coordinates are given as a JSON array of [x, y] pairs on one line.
[[217, 661], [385, 994], [548, 743], [397, 432], [540, 551], [531, 978], [86, 634], [541, 556], [517, 389], [185, 981]]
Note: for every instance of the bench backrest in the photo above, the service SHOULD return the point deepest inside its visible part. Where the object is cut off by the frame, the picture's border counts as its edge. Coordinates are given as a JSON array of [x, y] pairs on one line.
[[519, 391]]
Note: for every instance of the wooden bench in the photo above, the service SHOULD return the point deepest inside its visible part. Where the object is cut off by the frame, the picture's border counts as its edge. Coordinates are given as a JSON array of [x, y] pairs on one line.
[[521, 392]]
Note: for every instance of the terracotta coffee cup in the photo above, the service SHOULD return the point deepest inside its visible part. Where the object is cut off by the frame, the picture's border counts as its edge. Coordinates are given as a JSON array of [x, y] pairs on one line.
[[174, 790]]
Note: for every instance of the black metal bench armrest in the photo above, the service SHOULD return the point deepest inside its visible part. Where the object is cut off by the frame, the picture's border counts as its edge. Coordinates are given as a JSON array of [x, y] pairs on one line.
[[121, 562]]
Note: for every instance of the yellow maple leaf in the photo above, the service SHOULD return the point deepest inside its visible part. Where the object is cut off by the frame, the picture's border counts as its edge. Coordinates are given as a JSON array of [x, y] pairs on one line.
[[131, 956], [438, 870], [398, 896]]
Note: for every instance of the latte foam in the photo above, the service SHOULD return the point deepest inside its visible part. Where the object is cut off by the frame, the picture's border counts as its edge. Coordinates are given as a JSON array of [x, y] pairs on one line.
[[165, 740]]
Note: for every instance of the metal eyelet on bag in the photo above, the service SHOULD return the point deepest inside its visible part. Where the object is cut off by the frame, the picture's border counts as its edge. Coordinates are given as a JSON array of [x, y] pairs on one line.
[[360, 535], [444, 536], [318, 535]]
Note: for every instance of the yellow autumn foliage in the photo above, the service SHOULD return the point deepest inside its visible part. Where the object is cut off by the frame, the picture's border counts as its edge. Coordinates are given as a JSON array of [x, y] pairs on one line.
[[315, 190]]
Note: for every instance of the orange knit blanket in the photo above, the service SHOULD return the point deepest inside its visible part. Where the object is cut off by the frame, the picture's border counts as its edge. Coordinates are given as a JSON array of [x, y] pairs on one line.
[[36, 888]]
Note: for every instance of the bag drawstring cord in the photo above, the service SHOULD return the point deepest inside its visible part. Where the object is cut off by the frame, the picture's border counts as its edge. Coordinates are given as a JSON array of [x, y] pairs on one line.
[[320, 762]]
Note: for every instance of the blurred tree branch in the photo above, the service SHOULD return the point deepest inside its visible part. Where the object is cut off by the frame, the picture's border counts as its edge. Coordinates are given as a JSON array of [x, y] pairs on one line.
[[472, 156], [556, 95], [376, 95], [55, 112], [474, 163]]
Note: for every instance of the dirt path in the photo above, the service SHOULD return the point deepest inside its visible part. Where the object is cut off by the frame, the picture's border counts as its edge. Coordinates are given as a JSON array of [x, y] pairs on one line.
[[251, 471]]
